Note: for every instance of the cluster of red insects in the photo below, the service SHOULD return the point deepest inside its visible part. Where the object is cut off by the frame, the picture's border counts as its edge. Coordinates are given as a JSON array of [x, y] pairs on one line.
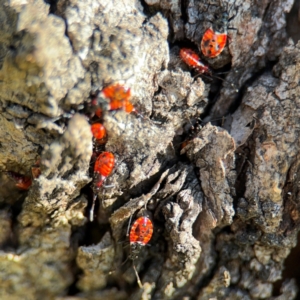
[[212, 44], [117, 97], [111, 98]]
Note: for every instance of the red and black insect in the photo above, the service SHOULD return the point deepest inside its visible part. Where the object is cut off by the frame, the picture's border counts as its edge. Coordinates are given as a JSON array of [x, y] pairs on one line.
[[103, 167], [99, 133], [23, 182], [116, 92], [114, 97], [139, 236], [192, 59], [193, 131], [215, 37]]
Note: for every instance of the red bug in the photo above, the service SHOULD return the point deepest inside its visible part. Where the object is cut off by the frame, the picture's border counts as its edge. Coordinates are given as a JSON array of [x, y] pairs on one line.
[[125, 105], [98, 112], [139, 236], [116, 92], [192, 59], [213, 43], [193, 131], [103, 167], [115, 97], [22, 182], [99, 133], [215, 38]]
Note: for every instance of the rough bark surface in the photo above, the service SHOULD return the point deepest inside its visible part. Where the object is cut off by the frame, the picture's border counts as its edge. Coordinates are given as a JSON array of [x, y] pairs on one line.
[[225, 207]]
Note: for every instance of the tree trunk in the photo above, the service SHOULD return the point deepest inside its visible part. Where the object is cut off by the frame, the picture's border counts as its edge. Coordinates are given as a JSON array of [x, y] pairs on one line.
[[223, 197]]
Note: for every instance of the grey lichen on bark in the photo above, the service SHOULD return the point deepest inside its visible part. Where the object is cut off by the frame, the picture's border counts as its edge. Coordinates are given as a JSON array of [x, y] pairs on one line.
[[224, 206]]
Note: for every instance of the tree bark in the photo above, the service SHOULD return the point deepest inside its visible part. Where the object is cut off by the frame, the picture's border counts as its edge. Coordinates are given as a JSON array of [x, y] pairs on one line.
[[225, 204]]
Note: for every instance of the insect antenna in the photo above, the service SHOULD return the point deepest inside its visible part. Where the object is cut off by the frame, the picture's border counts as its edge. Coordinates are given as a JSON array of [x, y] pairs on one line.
[[235, 14], [128, 227], [137, 276], [93, 207]]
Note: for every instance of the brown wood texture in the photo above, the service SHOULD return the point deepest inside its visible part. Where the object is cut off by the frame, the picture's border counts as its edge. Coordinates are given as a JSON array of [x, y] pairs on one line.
[[225, 208]]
